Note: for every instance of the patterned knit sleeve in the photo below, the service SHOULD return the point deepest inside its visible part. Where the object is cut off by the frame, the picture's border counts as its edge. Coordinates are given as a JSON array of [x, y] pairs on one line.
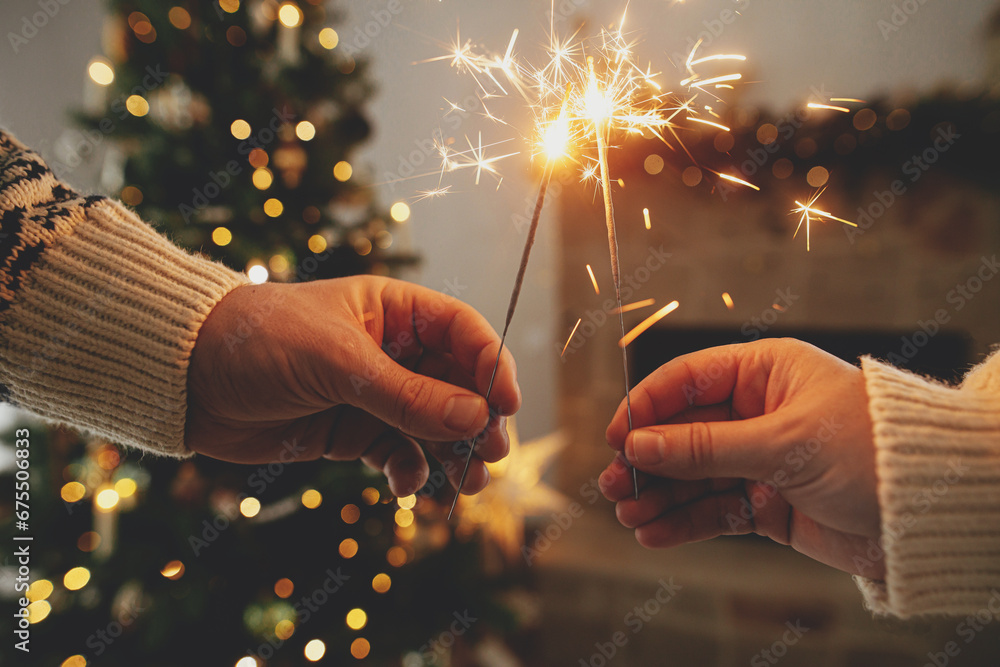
[[938, 464], [98, 312]]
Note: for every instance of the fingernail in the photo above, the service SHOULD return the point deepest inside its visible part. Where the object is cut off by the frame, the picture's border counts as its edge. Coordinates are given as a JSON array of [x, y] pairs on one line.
[[462, 412], [646, 448]]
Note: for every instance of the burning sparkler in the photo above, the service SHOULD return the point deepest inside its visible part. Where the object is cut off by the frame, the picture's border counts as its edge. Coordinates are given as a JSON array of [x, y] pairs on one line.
[[600, 93]]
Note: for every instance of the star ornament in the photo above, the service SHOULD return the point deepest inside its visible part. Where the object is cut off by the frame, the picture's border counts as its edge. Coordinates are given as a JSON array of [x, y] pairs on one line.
[[515, 491]]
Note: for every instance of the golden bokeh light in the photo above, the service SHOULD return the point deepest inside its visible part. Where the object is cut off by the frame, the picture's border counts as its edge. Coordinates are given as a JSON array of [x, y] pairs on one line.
[[221, 236], [865, 119], [782, 168], [284, 629], [173, 570], [305, 131], [360, 648], [273, 207], [328, 38], [290, 15], [343, 171], [278, 263], [230, 6], [76, 578], [247, 661], [400, 212], [73, 492], [348, 548], [357, 619], [250, 507], [106, 500], [316, 243], [131, 195], [38, 611], [396, 556], [350, 514], [692, 176], [314, 650], [362, 246], [381, 583], [404, 518], [240, 129], [74, 661], [137, 105], [258, 158], [653, 164], [407, 502], [283, 588], [311, 499], [100, 72], [39, 590], [262, 178], [179, 18], [125, 487], [370, 495], [817, 177]]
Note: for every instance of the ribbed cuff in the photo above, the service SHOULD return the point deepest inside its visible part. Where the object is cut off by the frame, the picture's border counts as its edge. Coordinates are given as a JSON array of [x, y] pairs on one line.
[[938, 465]]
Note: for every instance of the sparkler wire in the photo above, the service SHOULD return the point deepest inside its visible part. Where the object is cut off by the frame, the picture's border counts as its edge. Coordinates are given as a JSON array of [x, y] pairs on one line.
[[515, 293]]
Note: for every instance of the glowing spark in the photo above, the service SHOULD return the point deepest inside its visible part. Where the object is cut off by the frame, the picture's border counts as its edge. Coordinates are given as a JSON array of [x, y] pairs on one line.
[[645, 215], [739, 181], [432, 194], [571, 334], [846, 99], [708, 122], [633, 306], [808, 212], [814, 105], [692, 63], [728, 300], [778, 307], [647, 323], [593, 280]]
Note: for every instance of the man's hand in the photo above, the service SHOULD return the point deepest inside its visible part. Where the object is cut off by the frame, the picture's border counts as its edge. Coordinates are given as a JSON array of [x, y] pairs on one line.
[[359, 367], [771, 437]]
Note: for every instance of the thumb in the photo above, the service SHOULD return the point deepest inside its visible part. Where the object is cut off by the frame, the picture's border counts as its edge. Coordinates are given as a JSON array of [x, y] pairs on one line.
[[749, 448], [419, 406]]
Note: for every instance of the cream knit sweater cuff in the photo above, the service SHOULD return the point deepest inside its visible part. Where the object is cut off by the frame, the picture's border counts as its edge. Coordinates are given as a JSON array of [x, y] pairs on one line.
[[938, 465], [98, 313]]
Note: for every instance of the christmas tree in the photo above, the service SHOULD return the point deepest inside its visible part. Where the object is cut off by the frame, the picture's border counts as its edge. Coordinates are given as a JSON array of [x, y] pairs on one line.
[[234, 125]]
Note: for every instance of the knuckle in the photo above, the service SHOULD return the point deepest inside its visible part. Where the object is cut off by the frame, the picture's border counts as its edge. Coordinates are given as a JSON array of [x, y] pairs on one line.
[[700, 452], [410, 403]]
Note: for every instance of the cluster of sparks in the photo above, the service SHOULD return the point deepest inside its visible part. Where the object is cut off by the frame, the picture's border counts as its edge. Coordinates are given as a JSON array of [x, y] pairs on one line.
[[588, 93]]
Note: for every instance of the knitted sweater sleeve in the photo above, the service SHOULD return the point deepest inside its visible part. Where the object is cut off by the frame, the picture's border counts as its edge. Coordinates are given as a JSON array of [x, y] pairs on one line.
[[98, 312], [938, 465]]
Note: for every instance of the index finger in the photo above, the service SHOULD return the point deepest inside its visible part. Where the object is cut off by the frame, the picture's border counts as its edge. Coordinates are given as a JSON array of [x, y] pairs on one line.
[[444, 324], [707, 377]]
